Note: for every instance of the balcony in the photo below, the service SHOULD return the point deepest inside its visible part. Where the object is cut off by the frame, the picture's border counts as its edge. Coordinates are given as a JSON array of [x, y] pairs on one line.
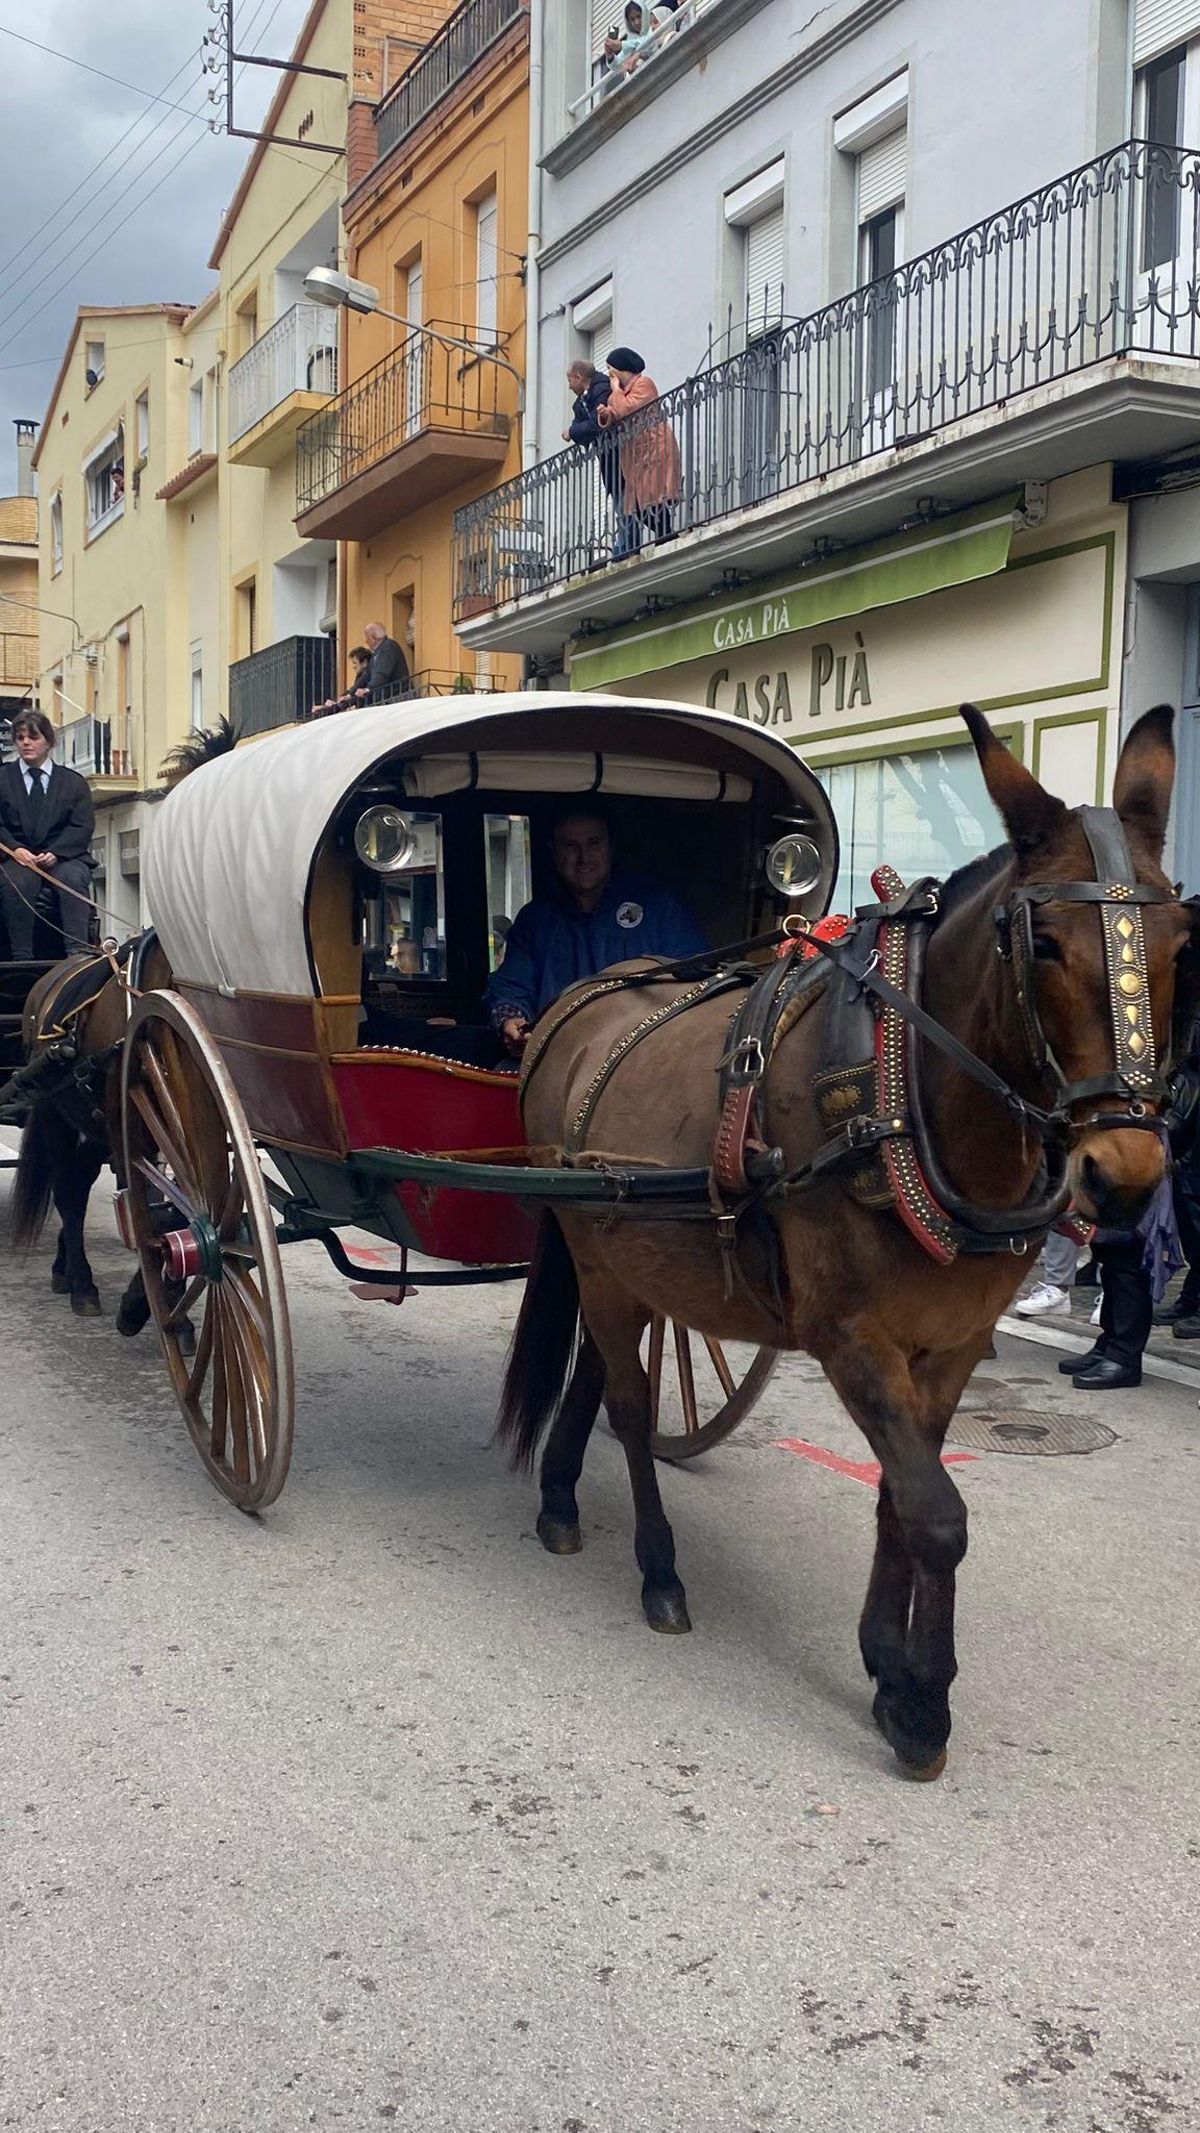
[[280, 684], [288, 375], [463, 39], [422, 422], [1061, 333], [99, 747]]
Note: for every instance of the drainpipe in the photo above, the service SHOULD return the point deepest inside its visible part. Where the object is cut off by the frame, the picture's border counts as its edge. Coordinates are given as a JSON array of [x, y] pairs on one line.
[[529, 433]]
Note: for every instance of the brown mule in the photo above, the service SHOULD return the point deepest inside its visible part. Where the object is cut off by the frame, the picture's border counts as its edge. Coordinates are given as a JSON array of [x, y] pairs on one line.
[[896, 1334]]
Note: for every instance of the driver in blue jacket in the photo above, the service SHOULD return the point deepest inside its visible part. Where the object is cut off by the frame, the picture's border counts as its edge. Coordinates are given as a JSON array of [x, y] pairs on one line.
[[592, 919]]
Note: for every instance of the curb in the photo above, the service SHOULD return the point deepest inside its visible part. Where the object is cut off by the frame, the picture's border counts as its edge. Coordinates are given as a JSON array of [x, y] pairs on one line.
[[1153, 1366]]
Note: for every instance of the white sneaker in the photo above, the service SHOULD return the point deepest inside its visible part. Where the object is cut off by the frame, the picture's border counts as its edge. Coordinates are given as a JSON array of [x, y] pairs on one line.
[[1045, 1297], [1094, 1320]]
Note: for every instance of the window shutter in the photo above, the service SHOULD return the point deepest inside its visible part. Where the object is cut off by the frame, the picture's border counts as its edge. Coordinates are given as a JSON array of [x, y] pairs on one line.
[[605, 15], [486, 263], [1159, 24], [764, 271], [881, 174]]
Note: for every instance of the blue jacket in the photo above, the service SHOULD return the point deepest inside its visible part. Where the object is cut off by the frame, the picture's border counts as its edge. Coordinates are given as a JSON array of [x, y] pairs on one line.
[[552, 945]]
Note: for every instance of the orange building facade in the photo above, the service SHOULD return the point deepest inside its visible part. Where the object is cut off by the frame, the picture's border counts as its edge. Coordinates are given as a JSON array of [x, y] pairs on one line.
[[436, 218]]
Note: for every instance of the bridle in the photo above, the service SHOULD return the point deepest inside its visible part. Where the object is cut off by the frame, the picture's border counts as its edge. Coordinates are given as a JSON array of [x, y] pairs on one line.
[[1119, 896]]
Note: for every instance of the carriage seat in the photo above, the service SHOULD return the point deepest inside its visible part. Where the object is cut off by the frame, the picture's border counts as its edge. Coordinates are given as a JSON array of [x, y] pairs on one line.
[[468, 1043]]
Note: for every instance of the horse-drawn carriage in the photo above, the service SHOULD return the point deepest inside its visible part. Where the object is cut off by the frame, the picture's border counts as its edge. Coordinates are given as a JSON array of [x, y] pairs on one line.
[[331, 900]]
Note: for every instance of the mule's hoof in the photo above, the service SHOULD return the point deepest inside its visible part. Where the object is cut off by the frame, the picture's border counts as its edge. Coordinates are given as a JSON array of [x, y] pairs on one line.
[[558, 1537], [86, 1306], [59, 1283], [923, 1773], [128, 1328], [667, 1613]]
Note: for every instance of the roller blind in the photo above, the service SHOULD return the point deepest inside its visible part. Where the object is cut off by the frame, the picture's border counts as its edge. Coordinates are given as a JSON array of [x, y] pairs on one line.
[[881, 174], [1159, 24], [764, 270]]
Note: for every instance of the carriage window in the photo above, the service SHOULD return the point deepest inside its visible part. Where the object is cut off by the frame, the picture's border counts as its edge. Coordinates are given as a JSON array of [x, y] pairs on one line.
[[508, 883], [406, 924], [925, 813]]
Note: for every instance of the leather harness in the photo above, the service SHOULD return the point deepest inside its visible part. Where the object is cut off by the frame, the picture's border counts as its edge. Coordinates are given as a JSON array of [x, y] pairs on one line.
[[868, 1088]]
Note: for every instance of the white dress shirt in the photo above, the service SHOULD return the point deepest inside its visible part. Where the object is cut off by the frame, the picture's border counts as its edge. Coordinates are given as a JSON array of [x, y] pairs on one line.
[[40, 771]]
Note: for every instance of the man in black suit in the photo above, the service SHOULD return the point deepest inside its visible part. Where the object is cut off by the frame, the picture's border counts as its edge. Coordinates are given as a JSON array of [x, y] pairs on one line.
[[387, 672], [46, 820]]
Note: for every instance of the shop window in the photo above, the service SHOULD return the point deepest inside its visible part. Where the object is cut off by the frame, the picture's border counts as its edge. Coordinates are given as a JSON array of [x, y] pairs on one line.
[[104, 483], [509, 879], [927, 812]]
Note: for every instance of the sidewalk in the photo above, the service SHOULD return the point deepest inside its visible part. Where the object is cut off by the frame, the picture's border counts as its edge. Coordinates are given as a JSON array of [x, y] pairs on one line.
[[1165, 1357]]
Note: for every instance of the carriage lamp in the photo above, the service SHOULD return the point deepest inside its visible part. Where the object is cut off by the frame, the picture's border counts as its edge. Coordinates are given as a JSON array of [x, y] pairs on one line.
[[793, 865], [384, 840]]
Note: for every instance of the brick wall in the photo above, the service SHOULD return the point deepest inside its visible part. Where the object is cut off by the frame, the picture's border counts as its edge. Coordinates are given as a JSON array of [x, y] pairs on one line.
[[388, 34]]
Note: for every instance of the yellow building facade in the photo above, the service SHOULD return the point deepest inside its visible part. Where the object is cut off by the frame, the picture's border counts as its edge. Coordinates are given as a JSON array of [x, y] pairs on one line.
[[437, 220], [107, 569]]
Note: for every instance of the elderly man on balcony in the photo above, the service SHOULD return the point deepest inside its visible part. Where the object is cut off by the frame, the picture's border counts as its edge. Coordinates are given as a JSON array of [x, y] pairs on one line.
[[387, 670], [46, 825]]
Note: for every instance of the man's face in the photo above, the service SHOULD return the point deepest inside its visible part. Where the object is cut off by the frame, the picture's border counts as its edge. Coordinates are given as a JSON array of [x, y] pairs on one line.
[[582, 854], [372, 636], [32, 747], [578, 378]]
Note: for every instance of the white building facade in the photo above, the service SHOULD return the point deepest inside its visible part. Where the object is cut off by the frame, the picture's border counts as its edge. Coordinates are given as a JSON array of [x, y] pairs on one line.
[[917, 286]]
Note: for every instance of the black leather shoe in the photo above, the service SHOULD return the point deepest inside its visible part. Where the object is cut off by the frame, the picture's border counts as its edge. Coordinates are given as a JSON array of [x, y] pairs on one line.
[[1170, 1314], [1071, 1363], [1188, 1327], [1105, 1375]]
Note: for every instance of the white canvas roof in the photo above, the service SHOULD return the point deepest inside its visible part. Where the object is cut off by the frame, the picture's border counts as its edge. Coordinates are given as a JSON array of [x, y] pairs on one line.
[[231, 848]]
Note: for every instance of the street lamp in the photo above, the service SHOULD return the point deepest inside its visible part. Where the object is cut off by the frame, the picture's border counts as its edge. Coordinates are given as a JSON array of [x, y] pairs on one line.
[[325, 285]]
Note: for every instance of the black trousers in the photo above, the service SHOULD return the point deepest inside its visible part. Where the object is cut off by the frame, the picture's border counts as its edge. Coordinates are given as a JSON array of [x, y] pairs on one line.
[[1126, 1303], [27, 896]]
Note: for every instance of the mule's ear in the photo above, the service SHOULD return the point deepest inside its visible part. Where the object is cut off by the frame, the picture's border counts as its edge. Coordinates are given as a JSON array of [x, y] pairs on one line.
[[1145, 776], [1031, 815]]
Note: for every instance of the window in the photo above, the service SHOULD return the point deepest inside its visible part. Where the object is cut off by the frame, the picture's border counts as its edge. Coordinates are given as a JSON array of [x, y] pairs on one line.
[[592, 321], [755, 211], [93, 363], [247, 323], [196, 418], [416, 357], [142, 426], [104, 483], [56, 534], [873, 135], [247, 618], [487, 261], [130, 849], [924, 813], [212, 408], [509, 876], [406, 926], [197, 687], [1160, 100]]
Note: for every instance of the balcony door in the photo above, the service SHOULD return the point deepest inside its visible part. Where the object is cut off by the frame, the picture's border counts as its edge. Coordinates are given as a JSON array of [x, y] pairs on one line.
[[881, 181], [1166, 216], [755, 213], [415, 346]]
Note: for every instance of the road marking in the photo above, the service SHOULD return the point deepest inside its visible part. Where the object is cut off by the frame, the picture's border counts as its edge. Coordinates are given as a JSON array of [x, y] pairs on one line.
[[865, 1470]]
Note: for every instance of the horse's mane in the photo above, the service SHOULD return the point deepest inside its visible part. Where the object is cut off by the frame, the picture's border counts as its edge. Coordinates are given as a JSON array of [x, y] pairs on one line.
[[963, 884], [196, 751]]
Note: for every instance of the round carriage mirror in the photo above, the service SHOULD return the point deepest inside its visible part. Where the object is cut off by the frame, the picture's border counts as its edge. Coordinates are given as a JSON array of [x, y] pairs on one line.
[[384, 840], [793, 865]]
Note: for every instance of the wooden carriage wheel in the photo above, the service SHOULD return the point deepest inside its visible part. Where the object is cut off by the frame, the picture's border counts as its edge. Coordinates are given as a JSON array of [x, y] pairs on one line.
[[701, 1390], [197, 1214]]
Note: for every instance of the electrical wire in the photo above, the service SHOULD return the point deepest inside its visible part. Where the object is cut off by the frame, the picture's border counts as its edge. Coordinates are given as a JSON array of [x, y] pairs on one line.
[[99, 72]]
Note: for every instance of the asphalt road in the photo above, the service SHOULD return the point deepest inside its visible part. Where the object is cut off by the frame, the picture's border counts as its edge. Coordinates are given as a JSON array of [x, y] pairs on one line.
[[372, 1812]]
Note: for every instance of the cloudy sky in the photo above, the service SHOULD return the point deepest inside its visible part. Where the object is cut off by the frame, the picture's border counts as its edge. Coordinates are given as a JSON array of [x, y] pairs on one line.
[[129, 190]]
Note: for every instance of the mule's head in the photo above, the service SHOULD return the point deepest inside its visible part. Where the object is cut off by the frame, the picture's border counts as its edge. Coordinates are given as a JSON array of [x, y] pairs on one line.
[[1104, 1011]]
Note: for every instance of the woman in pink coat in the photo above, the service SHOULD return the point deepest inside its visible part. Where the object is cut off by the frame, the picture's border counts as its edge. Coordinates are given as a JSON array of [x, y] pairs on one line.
[[651, 478]]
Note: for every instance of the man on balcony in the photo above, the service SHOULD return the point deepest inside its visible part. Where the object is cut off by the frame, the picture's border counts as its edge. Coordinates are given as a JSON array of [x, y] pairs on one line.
[[46, 825], [387, 672], [592, 918]]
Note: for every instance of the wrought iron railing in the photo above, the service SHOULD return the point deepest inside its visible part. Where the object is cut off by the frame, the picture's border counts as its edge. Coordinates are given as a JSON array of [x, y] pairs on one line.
[[463, 38], [421, 385], [97, 747], [280, 684], [610, 73], [298, 354], [433, 681], [1103, 262]]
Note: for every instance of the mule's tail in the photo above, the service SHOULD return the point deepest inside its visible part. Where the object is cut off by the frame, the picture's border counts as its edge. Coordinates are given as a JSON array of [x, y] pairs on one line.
[[543, 1345], [32, 1184]]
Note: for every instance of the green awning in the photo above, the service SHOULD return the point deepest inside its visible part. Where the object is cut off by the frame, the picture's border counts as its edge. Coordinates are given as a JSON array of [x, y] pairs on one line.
[[947, 551]]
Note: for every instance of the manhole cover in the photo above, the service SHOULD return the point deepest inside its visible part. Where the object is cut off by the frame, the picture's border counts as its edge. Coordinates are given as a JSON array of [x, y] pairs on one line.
[[1027, 1429]]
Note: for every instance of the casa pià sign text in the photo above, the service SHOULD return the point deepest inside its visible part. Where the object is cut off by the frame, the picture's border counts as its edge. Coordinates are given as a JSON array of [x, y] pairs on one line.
[[836, 681]]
